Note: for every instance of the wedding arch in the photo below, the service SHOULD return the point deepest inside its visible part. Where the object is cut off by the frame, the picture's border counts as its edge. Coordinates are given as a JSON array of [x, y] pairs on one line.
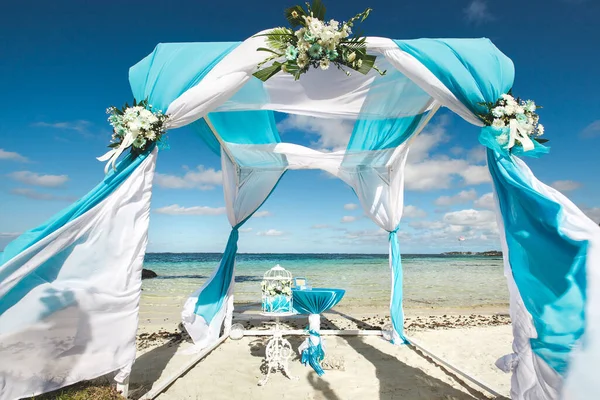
[[70, 288]]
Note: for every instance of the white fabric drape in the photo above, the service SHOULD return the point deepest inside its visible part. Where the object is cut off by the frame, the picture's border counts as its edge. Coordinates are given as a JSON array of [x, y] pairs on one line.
[[85, 324], [222, 89], [245, 189]]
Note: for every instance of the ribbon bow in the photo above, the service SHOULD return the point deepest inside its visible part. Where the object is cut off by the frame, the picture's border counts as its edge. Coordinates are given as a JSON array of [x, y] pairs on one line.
[[521, 133], [113, 155]]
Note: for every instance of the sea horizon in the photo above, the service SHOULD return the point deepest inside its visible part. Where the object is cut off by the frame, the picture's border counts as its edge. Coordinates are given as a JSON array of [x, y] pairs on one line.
[[434, 281]]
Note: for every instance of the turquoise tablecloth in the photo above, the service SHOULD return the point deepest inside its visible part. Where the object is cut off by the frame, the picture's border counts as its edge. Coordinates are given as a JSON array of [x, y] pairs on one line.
[[316, 300]]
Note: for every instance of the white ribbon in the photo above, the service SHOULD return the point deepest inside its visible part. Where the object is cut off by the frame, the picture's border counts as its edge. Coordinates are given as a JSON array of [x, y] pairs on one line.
[[112, 155], [519, 132]]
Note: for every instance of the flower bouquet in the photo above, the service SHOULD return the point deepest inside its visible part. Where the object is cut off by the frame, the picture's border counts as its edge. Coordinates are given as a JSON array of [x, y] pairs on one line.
[[516, 121], [136, 127], [316, 43]]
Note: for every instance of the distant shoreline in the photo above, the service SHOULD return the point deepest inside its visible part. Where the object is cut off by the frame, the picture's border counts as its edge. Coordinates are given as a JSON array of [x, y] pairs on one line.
[[489, 253]]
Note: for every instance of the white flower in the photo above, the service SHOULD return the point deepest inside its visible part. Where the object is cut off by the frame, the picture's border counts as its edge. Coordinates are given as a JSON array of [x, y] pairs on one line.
[[315, 26], [502, 139], [135, 127], [510, 109], [507, 97], [302, 59], [324, 63], [498, 123], [351, 56], [359, 63], [146, 114], [498, 111], [519, 110], [540, 129], [530, 106]]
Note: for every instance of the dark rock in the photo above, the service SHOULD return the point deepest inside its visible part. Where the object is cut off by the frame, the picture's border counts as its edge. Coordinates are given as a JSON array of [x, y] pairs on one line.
[[148, 274]]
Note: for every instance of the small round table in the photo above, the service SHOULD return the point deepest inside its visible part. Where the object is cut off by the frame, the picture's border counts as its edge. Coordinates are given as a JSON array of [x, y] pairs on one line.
[[314, 302], [279, 350]]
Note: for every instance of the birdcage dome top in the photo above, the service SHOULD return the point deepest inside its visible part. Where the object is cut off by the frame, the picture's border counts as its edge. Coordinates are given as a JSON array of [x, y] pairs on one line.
[[278, 273]]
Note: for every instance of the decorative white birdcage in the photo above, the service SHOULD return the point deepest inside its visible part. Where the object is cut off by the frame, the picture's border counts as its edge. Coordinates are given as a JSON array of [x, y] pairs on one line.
[[276, 289]]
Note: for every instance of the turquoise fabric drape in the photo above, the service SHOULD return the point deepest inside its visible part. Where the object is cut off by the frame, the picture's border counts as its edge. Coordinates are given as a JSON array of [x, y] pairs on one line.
[[211, 299], [396, 309], [213, 295], [110, 182], [548, 267], [474, 70], [314, 354], [246, 127], [173, 68], [391, 113], [316, 300]]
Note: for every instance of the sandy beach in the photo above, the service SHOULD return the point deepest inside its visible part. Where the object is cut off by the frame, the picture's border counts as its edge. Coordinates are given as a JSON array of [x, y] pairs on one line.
[[365, 367]]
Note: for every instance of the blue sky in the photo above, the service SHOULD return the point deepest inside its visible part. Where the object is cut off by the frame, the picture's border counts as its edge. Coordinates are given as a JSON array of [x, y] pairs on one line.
[[63, 62]]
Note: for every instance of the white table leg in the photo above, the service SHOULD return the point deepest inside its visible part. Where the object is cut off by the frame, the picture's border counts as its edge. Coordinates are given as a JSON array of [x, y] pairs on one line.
[[277, 354]]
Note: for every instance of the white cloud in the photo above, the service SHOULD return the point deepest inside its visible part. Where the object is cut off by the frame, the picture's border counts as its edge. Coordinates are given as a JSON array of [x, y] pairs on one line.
[[427, 225], [334, 134], [320, 226], [245, 230], [477, 154], [262, 214], [473, 218], [176, 209], [270, 232], [593, 213], [199, 178], [35, 195], [477, 12], [371, 234], [475, 175], [486, 201], [592, 130], [413, 212], [565, 186], [460, 198], [430, 138], [433, 174], [350, 206], [348, 218], [457, 150], [80, 126], [32, 178], [425, 172], [12, 156]]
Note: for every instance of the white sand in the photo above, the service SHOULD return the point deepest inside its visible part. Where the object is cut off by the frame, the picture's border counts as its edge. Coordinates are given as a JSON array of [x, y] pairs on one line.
[[373, 368]]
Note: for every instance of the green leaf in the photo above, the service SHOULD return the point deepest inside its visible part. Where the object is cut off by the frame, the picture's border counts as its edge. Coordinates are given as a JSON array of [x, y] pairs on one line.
[[269, 50], [280, 38], [293, 68], [367, 63], [295, 21], [114, 145], [266, 73], [318, 10], [541, 141]]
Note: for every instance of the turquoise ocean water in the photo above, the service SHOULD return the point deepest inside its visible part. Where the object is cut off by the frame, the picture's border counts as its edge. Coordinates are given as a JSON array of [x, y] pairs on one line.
[[430, 281]]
